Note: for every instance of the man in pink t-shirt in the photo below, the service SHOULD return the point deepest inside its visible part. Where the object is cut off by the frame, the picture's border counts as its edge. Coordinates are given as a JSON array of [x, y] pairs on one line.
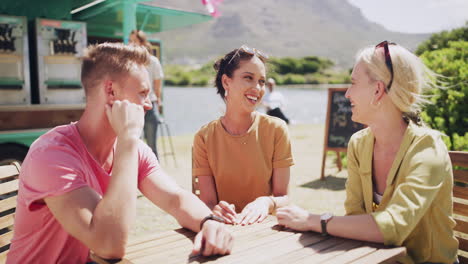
[[78, 183]]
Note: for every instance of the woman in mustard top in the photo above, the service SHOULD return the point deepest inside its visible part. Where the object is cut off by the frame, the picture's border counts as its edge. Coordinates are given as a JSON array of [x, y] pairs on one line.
[[242, 159], [399, 187]]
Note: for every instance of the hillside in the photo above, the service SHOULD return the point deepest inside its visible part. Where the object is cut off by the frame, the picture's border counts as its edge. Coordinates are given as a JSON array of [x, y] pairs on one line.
[[333, 28]]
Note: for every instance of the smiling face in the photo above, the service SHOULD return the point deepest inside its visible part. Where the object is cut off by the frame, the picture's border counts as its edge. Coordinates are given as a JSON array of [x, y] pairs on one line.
[[361, 94], [247, 85], [134, 87]]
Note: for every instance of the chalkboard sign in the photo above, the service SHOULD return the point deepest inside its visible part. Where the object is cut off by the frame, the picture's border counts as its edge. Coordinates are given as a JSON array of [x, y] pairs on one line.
[[339, 126], [339, 123]]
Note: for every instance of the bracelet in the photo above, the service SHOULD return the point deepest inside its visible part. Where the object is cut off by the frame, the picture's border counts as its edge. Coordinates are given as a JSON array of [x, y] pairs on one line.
[[211, 217], [274, 203]]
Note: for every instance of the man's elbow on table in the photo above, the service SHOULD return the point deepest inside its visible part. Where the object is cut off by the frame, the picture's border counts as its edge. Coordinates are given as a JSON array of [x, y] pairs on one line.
[[108, 242], [110, 250]]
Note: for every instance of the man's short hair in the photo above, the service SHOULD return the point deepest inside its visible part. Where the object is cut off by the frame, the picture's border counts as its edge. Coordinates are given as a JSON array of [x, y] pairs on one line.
[[110, 60]]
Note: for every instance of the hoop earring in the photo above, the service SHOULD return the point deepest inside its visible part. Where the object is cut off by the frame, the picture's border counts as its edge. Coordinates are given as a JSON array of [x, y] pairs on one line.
[[374, 104]]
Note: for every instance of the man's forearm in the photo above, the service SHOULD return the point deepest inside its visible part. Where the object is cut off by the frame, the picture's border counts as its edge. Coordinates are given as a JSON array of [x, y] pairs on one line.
[[115, 213], [189, 210]]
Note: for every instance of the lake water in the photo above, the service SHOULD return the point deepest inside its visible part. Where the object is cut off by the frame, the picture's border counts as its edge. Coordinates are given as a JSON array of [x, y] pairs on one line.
[[188, 108]]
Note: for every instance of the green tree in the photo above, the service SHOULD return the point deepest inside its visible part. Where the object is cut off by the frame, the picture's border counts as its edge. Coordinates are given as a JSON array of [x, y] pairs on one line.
[[287, 65], [441, 40], [449, 111], [292, 78], [311, 66], [308, 64]]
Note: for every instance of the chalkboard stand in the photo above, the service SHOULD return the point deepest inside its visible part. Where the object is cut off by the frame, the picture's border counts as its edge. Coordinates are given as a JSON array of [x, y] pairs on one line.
[[327, 131], [338, 162]]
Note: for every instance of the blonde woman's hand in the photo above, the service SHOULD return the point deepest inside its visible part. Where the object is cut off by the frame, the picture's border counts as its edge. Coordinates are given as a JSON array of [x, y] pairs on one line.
[[255, 212], [227, 211], [294, 217]]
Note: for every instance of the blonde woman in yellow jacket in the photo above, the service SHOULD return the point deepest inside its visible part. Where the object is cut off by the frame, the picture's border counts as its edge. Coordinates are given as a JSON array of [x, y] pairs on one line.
[[399, 188]]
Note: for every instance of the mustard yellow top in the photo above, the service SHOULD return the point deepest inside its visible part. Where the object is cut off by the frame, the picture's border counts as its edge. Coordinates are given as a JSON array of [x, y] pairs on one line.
[[242, 166], [416, 208]]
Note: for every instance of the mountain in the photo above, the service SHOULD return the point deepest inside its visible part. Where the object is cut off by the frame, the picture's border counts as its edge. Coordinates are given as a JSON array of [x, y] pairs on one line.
[[334, 29]]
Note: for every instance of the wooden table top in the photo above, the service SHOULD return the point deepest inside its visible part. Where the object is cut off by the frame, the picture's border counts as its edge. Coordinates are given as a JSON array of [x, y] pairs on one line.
[[261, 243]]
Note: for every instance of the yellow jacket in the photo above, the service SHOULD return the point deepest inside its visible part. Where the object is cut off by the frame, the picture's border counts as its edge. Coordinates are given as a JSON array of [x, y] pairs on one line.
[[417, 205]]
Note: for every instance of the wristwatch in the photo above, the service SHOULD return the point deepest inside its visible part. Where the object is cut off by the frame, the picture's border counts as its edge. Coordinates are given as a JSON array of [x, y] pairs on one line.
[[211, 217], [324, 219]]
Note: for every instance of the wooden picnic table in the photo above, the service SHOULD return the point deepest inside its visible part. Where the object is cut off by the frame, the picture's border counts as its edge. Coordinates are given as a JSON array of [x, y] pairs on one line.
[[261, 243]]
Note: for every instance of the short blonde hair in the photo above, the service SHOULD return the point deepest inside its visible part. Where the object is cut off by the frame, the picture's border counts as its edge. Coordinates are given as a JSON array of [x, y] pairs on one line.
[[411, 77], [112, 60]]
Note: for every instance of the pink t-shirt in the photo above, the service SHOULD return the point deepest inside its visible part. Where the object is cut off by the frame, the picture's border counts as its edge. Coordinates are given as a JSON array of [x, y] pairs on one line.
[[57, 163]]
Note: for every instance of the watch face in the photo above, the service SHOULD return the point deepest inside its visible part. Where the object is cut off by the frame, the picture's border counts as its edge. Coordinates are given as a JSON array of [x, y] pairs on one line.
[[326, 216]]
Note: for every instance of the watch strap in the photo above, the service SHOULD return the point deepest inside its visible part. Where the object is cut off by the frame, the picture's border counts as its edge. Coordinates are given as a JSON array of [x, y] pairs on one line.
[[324, 227], [211, 217]]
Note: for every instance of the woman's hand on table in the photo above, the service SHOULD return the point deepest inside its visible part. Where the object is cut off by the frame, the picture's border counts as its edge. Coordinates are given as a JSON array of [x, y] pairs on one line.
[[255, 212], [226, 211], [294, 217]]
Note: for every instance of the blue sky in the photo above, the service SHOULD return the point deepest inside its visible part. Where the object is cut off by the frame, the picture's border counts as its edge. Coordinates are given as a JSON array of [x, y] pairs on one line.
[[415, 16]]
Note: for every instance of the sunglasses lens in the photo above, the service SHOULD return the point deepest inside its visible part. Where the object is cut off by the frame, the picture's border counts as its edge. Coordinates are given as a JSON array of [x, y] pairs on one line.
[[261, 54], [248, 50], [388, 59], [382, 44]]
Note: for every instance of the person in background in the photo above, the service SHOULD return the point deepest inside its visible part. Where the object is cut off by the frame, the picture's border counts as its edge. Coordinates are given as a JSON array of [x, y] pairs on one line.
[[242, 159], [78, 184], [152, 119], [399, 187], [274, 101]]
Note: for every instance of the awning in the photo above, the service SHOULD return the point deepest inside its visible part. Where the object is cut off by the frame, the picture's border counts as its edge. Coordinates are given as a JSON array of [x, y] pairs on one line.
[[116, 18]]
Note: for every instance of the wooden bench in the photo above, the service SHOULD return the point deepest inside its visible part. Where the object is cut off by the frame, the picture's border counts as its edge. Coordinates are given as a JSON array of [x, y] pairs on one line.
[[8, 193], [460, 201]]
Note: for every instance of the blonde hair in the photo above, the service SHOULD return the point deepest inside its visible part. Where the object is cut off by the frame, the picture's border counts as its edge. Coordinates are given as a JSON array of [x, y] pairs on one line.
[[410, 77], [142, 38], [112, 60]]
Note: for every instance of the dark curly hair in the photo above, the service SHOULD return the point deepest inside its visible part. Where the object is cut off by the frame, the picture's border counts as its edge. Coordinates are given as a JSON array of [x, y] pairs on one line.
[[228, 64]]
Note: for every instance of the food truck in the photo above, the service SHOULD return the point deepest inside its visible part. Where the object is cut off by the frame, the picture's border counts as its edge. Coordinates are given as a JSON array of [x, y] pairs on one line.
[[41, 43]]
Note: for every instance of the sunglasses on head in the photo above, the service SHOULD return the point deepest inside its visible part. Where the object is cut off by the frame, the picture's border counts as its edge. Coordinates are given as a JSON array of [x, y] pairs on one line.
[[251, 51], [388, 59]]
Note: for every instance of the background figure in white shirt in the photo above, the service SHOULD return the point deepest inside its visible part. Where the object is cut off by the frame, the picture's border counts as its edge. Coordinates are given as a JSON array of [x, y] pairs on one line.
[[152, 119], [274, 101]]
